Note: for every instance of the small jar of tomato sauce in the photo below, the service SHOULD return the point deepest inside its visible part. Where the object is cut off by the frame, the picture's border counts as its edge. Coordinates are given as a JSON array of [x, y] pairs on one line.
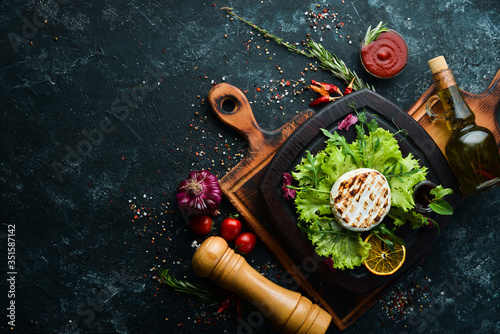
[[386, 56]]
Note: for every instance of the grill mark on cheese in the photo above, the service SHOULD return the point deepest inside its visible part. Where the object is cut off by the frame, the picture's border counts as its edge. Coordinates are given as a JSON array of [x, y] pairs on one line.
[[372, 196]]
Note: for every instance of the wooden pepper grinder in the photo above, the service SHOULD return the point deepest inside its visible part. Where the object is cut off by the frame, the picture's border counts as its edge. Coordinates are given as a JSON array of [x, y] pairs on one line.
[[288, 311]]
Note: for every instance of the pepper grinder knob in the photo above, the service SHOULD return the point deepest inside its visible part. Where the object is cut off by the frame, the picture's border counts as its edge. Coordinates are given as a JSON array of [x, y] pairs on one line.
[[288, 311]]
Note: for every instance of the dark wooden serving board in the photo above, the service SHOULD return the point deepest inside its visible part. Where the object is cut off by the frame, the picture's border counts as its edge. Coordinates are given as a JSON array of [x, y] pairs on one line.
[[310, 137], [241, 184]]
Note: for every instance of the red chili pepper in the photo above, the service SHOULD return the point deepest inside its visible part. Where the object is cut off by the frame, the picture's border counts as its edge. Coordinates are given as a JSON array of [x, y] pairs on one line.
[[238, 307], [348, 89], [488, 174], [319, 89], [323, 99], [320, 100], [328, 87], [225, 304]]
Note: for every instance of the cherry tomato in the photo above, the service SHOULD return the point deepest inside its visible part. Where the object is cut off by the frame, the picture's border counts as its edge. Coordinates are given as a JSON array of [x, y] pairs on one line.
[[201, 225], [230, 228], [245, 242]]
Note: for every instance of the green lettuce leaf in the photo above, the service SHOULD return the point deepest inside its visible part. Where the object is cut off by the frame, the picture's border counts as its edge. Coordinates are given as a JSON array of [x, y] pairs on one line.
[[346, 248], [335, 163], [402, 187], [400, 217], [307, 171], [384, 154], [341, 142], [311, 205]]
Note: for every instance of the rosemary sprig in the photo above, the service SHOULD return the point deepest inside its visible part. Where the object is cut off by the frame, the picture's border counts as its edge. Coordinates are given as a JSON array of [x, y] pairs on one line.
[[328, 61], [332, 63], [199, 291], [372, 34], [267, 34]]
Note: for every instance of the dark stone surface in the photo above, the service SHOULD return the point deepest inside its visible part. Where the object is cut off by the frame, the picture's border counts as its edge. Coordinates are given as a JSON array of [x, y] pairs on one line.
[[132, 78]]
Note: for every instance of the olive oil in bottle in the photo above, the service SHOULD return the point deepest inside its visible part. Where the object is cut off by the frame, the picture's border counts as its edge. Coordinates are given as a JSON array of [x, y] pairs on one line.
[[471, 151]]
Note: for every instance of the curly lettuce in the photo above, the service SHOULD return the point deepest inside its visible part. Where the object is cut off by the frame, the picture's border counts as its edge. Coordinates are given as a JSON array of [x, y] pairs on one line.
[[346, 248]]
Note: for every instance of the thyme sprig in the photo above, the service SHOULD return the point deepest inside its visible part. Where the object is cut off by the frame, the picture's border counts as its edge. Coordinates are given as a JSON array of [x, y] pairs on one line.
[[327, 60], [372, 34]]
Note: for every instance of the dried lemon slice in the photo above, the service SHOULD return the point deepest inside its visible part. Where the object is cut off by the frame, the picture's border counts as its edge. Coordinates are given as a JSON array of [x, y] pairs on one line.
[[381, 260]]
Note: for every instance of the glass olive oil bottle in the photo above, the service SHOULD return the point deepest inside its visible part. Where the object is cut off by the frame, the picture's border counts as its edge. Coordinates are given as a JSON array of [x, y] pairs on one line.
[[471, 151]]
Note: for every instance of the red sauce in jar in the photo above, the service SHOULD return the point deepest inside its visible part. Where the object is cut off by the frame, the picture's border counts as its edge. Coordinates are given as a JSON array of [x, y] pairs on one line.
[[386, 56]]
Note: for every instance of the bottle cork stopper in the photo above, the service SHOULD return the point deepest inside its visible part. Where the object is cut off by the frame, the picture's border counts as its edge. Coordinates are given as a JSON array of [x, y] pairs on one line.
[[438, 64]]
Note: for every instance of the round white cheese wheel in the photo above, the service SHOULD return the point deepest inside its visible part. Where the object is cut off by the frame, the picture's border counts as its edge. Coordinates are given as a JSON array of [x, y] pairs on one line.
[[360, 199]]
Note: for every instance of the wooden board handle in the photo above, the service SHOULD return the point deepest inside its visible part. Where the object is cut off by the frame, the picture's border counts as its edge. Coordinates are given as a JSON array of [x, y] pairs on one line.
[[288, 311], [232, 108]]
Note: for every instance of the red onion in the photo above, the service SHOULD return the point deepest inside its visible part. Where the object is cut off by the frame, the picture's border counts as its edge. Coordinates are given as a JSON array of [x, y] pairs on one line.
[[199, 194]]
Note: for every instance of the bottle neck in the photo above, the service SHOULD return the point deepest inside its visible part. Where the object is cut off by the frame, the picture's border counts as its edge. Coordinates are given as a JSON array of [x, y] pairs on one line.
[[457, 113], [444, 79]]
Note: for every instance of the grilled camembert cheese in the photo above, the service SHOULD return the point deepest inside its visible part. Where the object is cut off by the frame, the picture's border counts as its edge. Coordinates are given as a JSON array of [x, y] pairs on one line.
[[360, 199]]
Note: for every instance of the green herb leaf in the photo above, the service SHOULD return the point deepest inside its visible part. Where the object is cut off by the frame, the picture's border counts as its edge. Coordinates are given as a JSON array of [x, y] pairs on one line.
[[267, 34], [308, 174], [373, 34], [372, 125], [438, 204], [441, 207], [382, 229], [313, 168], [360, 130], [440, 192]]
